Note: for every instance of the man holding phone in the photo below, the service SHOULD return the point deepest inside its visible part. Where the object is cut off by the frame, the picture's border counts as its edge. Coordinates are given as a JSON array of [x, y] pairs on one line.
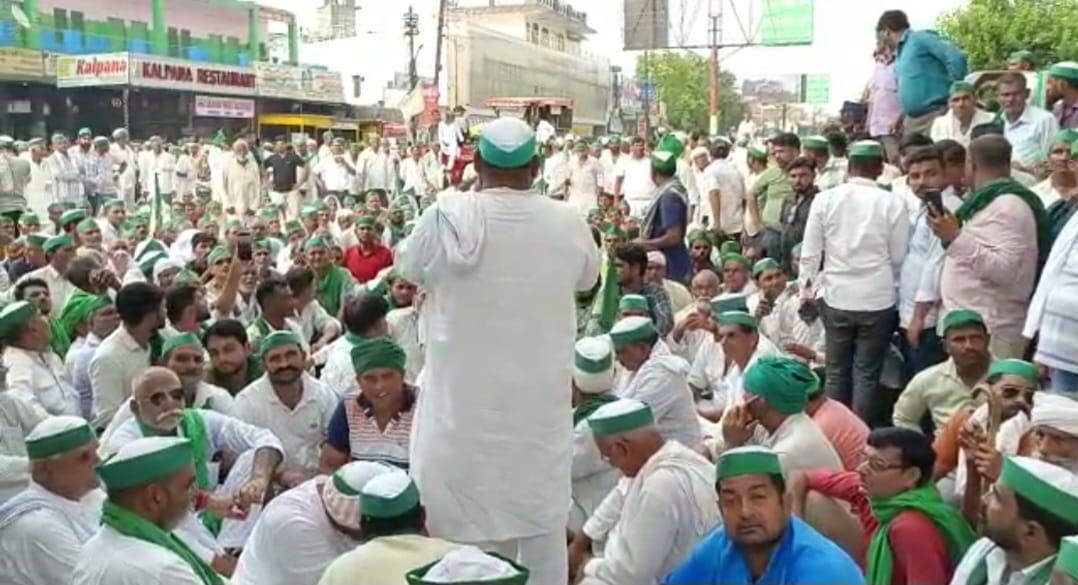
[[919, 287]]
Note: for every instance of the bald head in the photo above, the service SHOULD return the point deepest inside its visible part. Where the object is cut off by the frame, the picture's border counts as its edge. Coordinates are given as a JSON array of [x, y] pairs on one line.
[[705, 285], [159, 399], [991, 154], [155, 379]]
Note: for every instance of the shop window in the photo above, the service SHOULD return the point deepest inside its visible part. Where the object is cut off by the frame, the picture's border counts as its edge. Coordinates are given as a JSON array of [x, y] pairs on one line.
[[59, 19], [173, 42], [117, 34], [545, 39], [185, 43], [78, 22], [560, 42]]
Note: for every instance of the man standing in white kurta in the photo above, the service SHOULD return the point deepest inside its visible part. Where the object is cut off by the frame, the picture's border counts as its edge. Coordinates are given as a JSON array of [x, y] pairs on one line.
[[492, 442]]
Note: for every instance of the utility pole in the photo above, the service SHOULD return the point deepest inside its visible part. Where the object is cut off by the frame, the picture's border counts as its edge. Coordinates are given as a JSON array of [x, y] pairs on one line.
[[438, 43], [411, 30], [716, 40], [648, 85]]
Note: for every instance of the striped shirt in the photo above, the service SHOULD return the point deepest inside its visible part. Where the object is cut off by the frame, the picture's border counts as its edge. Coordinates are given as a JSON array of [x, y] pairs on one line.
[[354, 430]]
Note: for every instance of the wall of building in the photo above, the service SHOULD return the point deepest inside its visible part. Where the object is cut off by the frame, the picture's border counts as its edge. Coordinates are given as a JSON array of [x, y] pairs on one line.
[[201, 17], [483, 63]]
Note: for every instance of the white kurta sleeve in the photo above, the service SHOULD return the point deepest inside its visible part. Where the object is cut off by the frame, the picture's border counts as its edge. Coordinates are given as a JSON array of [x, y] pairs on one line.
[[108, 384], [644, 540], [604, 518], [47, 545], [237, 436], [589, 272], [14, 473]]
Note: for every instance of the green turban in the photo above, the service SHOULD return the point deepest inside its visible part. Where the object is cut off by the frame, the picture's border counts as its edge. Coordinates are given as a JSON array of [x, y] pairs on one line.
[[217, 254], [737, 258], [700, 236], [1014, 367], [783, 382], [179, 341], [316, 242], [278, 339], [730, 247], [365, 221], [79, 307], [380, 352]]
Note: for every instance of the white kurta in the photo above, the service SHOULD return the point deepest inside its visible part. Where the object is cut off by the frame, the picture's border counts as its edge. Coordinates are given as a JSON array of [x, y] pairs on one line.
[[995, 562], [338, 375], [663, 513], [241, 183], [124, 156], [41, 535], [800, 445], [110, 558], [18, 417], [711, 372], [293, 542], [404, 329], [207, 397], [495, 405], [301, 430], [593, 477], [40, 377], [662, 384]]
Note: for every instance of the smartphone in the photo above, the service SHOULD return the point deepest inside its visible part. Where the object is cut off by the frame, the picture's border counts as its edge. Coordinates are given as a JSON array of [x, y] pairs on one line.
[[934, 202], [243, 246]]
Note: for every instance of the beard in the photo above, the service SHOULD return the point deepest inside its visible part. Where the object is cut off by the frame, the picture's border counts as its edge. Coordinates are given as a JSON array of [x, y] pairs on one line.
[[285, 375]]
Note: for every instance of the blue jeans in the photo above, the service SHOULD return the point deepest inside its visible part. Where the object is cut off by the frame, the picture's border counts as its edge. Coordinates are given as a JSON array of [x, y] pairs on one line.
[[1064, 382], [929, 352]]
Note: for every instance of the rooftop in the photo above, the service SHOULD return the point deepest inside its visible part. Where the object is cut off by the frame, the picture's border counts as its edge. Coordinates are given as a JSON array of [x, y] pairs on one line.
[[551, 13]]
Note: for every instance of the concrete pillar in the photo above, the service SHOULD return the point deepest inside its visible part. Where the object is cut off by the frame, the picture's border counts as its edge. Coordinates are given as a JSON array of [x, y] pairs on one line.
[[254, 34], [293, 41], [158, 30], [33, 41]]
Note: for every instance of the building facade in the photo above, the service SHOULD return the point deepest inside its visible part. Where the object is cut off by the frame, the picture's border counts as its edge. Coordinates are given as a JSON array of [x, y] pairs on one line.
[[527, 48]]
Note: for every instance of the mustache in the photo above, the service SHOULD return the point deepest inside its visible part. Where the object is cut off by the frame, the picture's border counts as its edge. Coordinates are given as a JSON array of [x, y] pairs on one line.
[[286, 369], [174, 413]]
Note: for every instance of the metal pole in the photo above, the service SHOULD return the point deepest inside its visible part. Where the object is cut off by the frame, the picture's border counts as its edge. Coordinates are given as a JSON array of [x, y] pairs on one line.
[[127, 110], [713, 110], [438, 43], [411, 29]]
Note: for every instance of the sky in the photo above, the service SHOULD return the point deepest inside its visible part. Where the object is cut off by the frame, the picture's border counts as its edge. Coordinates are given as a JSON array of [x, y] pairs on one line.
[[842, 49]]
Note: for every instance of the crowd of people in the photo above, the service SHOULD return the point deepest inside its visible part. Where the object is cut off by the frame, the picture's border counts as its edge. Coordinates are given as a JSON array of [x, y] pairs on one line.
[[685, 360]]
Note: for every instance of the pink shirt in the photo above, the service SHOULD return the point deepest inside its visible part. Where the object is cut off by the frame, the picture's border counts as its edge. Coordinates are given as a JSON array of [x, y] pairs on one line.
[[847, 433], [991, 267]]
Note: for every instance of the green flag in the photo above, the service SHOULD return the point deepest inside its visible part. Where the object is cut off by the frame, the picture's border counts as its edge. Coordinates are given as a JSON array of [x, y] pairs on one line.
[[605, 310], [156, 221]]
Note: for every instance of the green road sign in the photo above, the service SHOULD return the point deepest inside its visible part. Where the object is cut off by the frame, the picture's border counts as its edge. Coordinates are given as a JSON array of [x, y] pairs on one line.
[[816, 89], [786, 22]]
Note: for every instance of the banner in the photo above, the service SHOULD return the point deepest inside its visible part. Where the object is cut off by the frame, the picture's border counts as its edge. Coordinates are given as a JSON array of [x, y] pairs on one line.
[[223, 107], [22, 64], [164, 73], [310, 84], [92, 70]]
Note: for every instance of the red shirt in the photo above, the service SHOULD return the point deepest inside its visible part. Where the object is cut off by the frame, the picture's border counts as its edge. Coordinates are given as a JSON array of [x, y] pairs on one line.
[[366, 264], [920, 553]]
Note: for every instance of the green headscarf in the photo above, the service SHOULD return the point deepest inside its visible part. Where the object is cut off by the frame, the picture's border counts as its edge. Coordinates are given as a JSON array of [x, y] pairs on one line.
[[380, 352], [78, 308], [987, 193], [783, 382]]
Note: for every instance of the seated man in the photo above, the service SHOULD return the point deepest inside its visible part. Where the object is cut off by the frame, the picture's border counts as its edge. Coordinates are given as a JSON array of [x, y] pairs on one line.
[[912, 535], [392, 520], [716, 377], [760, 541], [848, 433], [593, 477], [158, 408], [656, 377], [306, 528], [660, 509], [692, 325], [1054, 436], [777, 305]]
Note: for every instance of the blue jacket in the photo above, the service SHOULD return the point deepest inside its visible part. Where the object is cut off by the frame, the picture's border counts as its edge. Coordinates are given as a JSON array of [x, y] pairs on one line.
[[803, 557], [926, 65]]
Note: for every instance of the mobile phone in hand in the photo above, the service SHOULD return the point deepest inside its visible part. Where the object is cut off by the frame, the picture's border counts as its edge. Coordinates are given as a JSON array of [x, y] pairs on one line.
[[244, 248], [934, 202]]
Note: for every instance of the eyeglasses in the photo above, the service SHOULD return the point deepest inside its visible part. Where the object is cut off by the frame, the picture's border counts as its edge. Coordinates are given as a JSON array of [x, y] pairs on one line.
[[879, 466]]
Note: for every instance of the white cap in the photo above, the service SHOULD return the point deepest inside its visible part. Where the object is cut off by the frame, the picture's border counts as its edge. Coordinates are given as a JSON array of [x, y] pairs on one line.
[[341, 491], [656, 257], [469, 565], [593, 365]]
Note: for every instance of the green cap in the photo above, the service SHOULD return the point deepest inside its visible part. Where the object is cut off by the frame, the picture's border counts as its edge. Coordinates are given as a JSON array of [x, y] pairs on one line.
[[389, 495], [180, 340], [665, 156], [593, 355], [217, 254], [15, 315], [308, 211], [86, 225], [149, 260], [365, 221], [632, 330], [757, 151], [507, 143], [72, 216], [866, 149], [1067, 561], [56, 242], [730, 247], [634, 303], [316, 242], [29, 219], [1016, 367], [1050, 488], [85, 132], [736, 258], [959, 87], [741, 318], [144, 461], [293, 225], [1022, 55], [261, 245], [36, 240], [815, 142], [961, 318], [380, 352], [729, 302], [784, 383], [1066, 136], [763, 265], [700, 236], [57, 435], [748, 460], [1064, 70], [619, 417], [278, 339]]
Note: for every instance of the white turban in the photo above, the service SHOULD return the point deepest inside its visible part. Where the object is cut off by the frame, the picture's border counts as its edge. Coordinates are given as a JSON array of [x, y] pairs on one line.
[[1055, 411], [340, 492]]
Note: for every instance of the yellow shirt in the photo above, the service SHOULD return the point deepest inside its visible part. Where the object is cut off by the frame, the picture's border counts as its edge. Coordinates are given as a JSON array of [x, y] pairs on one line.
[[385, 560]]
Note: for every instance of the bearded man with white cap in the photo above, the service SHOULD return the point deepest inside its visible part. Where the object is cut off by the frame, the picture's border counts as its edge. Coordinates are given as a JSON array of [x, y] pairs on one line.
[[393, 522], [480, 433], [304, 529], [593, 379], [149, 493], [664, 504], [42, 529], [1054, 418], [1029, 510]]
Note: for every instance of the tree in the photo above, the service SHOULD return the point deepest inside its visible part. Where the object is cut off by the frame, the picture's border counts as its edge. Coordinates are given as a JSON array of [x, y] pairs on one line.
[[990, 30], [682, 81]]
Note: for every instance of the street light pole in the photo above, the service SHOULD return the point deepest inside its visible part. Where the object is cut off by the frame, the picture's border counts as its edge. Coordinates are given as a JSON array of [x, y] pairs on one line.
[[411, 30]]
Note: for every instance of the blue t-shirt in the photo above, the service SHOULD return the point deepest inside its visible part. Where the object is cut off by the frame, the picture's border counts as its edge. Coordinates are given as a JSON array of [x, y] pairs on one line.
[[803, 557], [672, 213]]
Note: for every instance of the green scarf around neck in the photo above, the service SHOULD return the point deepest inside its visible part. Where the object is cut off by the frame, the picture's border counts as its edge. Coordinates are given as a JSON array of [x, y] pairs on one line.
[[926, 499], [330, 288], [979, 574], [61, 342], [134, 526], [987, 193], [193, 428], [591, 403]]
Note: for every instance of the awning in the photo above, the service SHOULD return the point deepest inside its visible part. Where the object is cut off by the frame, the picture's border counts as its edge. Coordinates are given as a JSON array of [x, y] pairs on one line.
[[301, 120]]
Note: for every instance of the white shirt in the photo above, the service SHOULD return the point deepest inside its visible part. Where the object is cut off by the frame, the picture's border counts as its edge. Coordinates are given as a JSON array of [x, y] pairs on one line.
[[41, 546], [947, 127], [726, 383], [40, 377], [862, 233], [338, 375], [610, 170], [800, 445], [60, 288], [995, 559], [404, 329], [637, 187], [18, 417], [293, 541], [124, 155], [1031, 135], [661, 383], [593, 477], [919, 281], [110, 558], [301, 430], [66, 181], [477, 489], [113, 369], [335, 175], [723, 176], [585, 180], [449, 138], [163, 166], [207, 397], [544, 131], [556, 172]]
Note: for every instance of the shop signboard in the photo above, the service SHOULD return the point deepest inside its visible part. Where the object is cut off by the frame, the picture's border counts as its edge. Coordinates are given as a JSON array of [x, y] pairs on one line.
[[92, 70], [21, 64], [162, 73], [309, 84], [212, 106]]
